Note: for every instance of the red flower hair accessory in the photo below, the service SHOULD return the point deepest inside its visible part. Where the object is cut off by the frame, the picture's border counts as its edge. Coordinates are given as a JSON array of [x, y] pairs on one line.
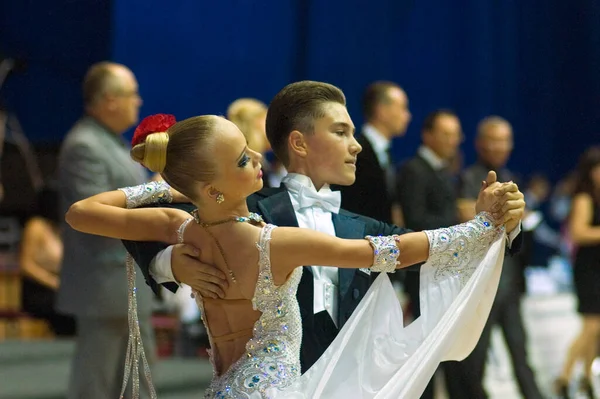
[[152, 124]]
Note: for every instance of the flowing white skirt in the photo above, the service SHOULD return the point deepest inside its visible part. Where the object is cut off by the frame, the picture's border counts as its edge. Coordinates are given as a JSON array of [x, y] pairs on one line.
[[374, 356]]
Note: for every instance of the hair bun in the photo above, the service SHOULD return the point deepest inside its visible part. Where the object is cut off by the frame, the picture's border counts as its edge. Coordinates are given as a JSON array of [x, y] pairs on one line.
[[152, 124], [152, 153]]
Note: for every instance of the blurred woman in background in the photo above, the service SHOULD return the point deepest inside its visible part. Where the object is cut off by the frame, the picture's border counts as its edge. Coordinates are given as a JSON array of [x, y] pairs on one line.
[[584, 228], [250, 116], [40, 258]]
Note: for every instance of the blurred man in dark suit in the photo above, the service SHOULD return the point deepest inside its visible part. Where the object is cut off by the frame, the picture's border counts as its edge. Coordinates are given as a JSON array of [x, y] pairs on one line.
[[385, 107]]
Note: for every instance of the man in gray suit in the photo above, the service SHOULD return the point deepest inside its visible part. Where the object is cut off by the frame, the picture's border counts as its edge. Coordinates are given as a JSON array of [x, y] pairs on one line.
[[94, 158]]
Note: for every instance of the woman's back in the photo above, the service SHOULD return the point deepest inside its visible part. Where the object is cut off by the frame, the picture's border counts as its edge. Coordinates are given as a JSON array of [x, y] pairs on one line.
[[47, 247], [257, 320], [229, 320]]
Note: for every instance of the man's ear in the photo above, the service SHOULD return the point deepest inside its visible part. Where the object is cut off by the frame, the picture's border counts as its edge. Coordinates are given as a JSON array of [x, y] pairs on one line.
[[297, 143]]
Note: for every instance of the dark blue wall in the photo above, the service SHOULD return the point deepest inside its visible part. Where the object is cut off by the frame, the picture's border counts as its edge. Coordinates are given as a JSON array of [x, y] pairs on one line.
[[536, 63], [59, 39], [198, 57]]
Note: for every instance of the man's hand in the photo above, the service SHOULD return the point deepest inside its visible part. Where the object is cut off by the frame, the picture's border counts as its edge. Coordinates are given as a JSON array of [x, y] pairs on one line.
[[504, 201], [187, 268], [510, 207], [486, 200]]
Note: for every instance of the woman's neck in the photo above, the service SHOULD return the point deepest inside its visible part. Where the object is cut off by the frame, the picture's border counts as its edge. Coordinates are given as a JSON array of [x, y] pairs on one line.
[[217, 212]]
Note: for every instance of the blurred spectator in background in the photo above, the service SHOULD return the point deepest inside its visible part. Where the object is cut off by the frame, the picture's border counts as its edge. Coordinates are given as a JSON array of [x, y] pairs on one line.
[[427, 194], [542, 241], [40, 258], [560, 200], [494, 145], [250, 116], [584, 228], [95, 158], [385, 109], [537, 191]]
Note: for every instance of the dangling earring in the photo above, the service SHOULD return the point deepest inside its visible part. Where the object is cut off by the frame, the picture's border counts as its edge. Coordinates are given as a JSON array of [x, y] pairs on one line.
[[220, 198]]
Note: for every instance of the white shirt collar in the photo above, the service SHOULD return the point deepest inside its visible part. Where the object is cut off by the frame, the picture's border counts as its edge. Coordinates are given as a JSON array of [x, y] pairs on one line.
[[304, 195], [379, 142], [295, 180], [431, 158]]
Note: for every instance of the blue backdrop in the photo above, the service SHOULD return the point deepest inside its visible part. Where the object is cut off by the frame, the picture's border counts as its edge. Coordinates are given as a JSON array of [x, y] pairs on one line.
[[536, 63]]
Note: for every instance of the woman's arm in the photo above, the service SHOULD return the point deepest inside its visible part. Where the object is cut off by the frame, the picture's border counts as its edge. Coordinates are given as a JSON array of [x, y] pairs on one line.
[[580, 223], [35, 231], [292, 247], [106, 215]]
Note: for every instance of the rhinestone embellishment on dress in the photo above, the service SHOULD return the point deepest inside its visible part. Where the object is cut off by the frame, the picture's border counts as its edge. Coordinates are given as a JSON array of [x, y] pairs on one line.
[[272, 356]]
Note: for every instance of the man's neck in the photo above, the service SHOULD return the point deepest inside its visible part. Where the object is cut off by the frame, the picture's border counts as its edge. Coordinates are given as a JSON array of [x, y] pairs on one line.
[[489, 165], [299, 171], [105, 122], [380, 129], [432, 157]]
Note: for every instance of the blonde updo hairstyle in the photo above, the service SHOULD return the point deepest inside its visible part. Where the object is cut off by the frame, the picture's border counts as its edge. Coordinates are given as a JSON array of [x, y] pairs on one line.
[[182, 154]]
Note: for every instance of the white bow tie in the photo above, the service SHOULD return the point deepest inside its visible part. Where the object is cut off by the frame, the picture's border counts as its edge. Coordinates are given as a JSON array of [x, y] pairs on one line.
[[328, 200]]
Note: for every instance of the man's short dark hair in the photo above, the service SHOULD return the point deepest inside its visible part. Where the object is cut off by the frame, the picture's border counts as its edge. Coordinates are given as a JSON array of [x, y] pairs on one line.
[[376, 93], [432, 117], [296, 107]]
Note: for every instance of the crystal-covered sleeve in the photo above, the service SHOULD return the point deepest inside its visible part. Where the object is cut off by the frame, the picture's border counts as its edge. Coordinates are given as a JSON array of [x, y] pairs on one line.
[[156, 192], [451, 248]]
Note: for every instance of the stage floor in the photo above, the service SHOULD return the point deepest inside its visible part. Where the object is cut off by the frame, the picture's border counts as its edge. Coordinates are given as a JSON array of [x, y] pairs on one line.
[[39, 370]]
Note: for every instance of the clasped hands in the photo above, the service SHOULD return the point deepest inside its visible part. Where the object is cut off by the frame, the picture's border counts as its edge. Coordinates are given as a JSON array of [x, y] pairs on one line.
[[503, 201]]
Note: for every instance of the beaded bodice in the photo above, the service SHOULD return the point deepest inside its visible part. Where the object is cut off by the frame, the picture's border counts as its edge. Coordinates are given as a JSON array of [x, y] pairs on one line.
[[272, 357]]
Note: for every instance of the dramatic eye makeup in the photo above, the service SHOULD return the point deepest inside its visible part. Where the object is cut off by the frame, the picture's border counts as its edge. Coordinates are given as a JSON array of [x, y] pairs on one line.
[[243, 159]]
